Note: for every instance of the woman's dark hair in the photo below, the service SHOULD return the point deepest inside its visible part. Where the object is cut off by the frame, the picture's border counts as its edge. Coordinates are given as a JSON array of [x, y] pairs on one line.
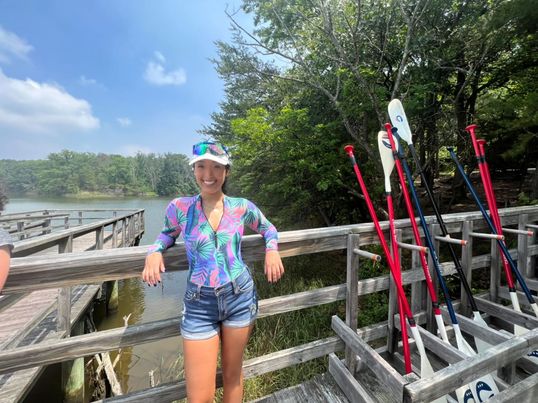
[[224, 190]]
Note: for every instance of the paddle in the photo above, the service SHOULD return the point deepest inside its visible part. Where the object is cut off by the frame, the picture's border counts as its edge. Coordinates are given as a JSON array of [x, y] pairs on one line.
[[388, 165], [394, 271], [485, 383], [416, 233]]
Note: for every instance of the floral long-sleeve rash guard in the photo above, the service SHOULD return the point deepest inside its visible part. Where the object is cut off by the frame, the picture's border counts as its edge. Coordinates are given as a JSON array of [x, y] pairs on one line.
[[214, 256]]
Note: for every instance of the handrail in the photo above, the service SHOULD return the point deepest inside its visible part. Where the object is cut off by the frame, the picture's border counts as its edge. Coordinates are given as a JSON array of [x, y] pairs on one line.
[[40, 272], [54, 238]]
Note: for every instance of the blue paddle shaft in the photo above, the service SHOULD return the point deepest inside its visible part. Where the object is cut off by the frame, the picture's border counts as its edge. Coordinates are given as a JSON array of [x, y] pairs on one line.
[[500, 242]]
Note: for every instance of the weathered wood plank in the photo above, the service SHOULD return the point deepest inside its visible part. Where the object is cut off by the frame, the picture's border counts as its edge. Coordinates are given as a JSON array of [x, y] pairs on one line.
[[448, 379], [352, 302], [320, 389], [492, 336], [386, 374], [14, 387], [522, 392], [32, 245], [90, 344], [33, 274], [353, 390], [252, 367], [508, 314]]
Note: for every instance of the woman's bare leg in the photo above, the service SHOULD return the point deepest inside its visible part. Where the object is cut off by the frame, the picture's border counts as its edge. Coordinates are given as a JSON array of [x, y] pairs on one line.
[[200, 358], [234, 341]]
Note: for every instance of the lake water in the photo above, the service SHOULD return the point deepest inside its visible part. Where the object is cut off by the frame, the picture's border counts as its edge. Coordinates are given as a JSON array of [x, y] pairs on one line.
[[143, 303]]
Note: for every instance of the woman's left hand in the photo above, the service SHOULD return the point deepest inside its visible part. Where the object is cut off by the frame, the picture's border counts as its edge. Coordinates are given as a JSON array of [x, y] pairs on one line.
[[274, 269]]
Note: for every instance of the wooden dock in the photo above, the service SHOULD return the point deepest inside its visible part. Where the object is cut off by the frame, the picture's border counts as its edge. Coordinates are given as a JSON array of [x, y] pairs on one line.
[[320, 389], [31, 318], [366, 371]]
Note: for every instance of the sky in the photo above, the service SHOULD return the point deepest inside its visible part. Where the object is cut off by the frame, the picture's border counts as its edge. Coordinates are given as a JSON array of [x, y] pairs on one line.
[[110, 76]]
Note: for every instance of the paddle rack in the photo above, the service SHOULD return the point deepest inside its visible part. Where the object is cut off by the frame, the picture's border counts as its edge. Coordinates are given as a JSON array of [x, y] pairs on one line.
[[373, 367]]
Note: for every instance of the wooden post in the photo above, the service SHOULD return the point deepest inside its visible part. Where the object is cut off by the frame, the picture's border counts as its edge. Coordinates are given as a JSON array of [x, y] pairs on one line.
[[533, 260], [131, 230], [73, 373], [523, 248], [20, 229], [417, 287], [66, 245], [66, 222], [63, 323], [494, 272], [352, 303], [114, 235], [99, 238], [123, 232], [467, 264], [112, 296], [80, 218]]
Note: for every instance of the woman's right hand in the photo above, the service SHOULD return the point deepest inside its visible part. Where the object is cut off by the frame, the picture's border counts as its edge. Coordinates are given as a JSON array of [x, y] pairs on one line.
[[153, 268]]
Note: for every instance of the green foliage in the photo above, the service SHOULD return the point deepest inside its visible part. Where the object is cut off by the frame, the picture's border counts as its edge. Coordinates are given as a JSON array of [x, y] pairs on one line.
[[69, 172], [318, 75]]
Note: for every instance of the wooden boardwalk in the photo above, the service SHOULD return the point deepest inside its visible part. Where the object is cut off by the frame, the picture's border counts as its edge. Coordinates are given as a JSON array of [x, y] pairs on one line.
[[24, 324], [380, 356], [32, 318], [320, 389]]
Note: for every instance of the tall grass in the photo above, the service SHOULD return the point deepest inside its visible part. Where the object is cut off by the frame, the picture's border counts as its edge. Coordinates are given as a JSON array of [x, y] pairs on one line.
[[291, 329]]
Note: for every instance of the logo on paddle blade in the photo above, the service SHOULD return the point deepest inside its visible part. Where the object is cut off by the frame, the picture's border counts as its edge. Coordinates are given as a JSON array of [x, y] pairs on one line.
[[483, 388], [386, 143], [468, 397], [399, 118]]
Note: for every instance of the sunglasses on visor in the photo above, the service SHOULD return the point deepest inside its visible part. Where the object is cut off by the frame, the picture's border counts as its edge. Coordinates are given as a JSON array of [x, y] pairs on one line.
[[209, 147]]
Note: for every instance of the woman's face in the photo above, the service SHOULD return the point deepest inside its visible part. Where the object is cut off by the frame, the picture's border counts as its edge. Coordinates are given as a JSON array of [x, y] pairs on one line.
[[210, 176]]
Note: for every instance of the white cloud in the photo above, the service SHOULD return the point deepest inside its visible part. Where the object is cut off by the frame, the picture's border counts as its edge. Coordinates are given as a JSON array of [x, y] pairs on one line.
[[133, 149], [124, 122], [32, 107], [160, 57], [12, 46], [157, 75]]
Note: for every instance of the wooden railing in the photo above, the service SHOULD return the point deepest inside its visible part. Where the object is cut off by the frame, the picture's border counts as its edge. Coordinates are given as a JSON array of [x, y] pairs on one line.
[[125, 223], [33, 273]]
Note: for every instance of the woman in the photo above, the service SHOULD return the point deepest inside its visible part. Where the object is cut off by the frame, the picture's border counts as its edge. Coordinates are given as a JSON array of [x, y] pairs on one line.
[[220, 303]]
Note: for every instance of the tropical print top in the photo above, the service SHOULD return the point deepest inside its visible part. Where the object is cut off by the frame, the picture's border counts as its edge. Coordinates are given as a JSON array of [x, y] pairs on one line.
[[214, 256]]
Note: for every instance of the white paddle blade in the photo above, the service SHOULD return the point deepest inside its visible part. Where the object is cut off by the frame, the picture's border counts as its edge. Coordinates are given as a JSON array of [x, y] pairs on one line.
[[520, 330], [399, 120], [387, 159], [481, 345], [426, 369]]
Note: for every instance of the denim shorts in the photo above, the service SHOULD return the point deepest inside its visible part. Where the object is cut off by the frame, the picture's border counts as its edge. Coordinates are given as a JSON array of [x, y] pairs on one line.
[[205, 309]]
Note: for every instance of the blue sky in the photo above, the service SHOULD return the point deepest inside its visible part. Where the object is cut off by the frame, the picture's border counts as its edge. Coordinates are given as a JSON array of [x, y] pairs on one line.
[[113, 76]]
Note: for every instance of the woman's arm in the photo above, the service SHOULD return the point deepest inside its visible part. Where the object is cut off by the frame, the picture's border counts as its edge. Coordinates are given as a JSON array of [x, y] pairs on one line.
[[5, 257], [154, 264], [274, 269]]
